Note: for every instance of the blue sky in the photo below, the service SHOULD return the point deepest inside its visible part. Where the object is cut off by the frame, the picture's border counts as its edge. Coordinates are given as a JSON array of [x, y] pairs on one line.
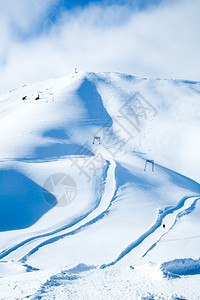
[[58, 7], [49, 38], [141, 4]]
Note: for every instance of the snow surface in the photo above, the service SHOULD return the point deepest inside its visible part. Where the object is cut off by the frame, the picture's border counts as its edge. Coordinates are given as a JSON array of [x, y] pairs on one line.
[[127, 232]]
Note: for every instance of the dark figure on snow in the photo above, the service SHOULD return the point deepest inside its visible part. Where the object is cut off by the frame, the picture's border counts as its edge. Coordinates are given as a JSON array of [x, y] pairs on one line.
[[24, 98], [38, 97], [163, 225]]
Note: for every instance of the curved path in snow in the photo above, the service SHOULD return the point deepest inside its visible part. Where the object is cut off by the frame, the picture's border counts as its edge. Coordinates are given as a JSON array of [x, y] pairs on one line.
[[150, 238], [24, 249]]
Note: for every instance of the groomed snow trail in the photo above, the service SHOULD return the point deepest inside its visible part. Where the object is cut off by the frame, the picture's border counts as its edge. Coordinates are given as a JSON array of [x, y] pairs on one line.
[[26, 248], [149, 239]]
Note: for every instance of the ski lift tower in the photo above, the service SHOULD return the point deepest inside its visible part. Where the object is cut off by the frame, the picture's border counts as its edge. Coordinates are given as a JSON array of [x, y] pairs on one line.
[[151, 162], [97, 138]]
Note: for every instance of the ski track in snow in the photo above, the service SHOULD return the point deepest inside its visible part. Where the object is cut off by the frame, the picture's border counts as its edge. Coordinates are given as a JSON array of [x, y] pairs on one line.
[[102, 204], [152, 236], [145, 243]]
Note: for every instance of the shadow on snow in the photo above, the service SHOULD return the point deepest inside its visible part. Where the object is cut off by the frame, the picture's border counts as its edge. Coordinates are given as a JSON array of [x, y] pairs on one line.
[[21, 201]]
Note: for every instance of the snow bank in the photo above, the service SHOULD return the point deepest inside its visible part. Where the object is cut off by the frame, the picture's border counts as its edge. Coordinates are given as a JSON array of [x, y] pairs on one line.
[[187, 266]]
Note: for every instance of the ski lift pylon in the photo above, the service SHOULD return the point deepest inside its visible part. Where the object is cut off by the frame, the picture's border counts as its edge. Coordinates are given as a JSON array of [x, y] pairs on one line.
[[97, 138]]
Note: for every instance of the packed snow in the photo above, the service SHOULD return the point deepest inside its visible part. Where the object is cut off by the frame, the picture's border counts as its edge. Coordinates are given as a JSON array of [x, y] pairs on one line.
[[99, 189]]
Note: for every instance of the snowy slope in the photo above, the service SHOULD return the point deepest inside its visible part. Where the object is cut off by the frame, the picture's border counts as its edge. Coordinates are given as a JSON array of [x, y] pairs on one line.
[[77, 188]]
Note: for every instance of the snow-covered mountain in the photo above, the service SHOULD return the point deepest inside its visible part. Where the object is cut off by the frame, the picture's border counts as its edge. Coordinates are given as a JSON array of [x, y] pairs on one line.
[[99, 189]]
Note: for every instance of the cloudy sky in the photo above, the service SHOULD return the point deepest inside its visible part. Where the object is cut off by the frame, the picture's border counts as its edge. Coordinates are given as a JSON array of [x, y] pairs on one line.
[[42, 39]]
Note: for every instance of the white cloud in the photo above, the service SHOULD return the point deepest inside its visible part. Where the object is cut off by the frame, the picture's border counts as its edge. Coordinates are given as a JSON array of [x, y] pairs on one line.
[[160, 42]]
